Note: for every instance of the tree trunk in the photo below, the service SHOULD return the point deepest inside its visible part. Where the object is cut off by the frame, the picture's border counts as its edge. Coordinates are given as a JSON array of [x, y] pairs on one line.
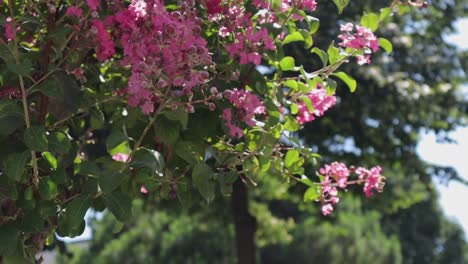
[[245, 224]]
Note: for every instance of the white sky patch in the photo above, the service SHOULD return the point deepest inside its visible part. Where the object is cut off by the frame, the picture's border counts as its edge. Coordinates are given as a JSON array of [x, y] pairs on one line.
[[454, 195]]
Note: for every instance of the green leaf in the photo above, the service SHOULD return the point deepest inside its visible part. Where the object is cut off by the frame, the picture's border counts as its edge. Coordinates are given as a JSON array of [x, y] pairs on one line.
[[9, 235], [23, 68], [384, 13], [294, 109], [59, 143], [291, 124], [117, 142], [202, 179], [341, 5], [36, 138], [308, 103], [50, 159], [291, 84], [120, 204], [322, 55], [15, 164], [386, 45], [313, 193], [151, 159], [370, 20], [348, 80], [167, 131], [110, 179], [11, 117], [287, 63], [295, 36], [47, 189], [70, 221], [307, 182], [178, 115], [333, 54], [59, 175], [292, 156], [189, 151], [51, 87]]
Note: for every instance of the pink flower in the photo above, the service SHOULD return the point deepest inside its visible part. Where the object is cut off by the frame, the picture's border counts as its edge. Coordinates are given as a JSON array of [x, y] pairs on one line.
[[373, 179], [321, 102], [214, 7], [247, 105], [10, 30], [121, 157], [74, 11], [363, 38], [143, 190], [93, 4], [105, 47], [338, 171], [327, 209]]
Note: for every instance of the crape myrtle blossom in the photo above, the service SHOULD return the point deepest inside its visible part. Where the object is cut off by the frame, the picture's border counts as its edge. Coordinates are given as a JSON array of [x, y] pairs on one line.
[[373, 179], [361, 38], [10, 30], [246, 106], [74, 11], [321, 102], [336, 175], [164, 49]]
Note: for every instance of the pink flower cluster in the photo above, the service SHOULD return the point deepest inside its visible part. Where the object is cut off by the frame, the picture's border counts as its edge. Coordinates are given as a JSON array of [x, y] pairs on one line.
[[164, 49], [321, 102], [105, 47], [362, 38], [248, 45], [249, 41], [247, 105], [74, 11], [337, 174], [372, 178], [9, 28], [9, 92]]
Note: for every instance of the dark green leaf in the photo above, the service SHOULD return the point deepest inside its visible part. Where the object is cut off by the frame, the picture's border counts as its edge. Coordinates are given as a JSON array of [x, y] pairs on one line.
[[151, 159], [59, 143], [11, 117], [15, 164], [70, 221], [119, 204], [36, 138], [178, 115], [202, 179], [9, 235]]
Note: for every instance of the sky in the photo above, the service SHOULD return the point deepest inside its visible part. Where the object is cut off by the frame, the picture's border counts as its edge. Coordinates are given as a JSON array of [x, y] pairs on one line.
[[454, 195]]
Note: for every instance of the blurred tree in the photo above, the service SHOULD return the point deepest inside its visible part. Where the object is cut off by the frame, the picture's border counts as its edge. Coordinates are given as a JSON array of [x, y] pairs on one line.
[[413, 90]]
